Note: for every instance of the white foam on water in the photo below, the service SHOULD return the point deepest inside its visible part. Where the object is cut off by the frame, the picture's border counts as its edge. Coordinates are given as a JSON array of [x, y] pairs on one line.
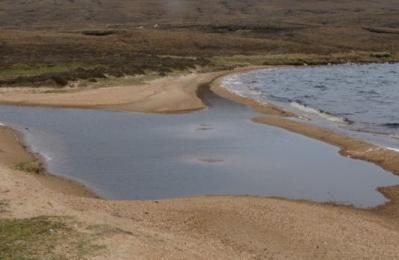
[[317, 112], [234, 85], [392, 149], [395, 136]]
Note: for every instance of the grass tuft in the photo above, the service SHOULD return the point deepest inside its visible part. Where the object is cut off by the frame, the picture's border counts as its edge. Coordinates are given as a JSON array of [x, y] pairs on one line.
[[51, 238], [3, 206], [34, 166]]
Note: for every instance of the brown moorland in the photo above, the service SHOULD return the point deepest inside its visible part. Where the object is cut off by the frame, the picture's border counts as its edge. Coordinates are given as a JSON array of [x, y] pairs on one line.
[[57, 42]]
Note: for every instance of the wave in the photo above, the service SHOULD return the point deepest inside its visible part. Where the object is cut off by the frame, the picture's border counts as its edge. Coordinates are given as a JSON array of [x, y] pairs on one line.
[[391, 125], [392, 149], [369, 92], [395, 136], [321, 87], [323, 114], [280, 99], [232, 84]]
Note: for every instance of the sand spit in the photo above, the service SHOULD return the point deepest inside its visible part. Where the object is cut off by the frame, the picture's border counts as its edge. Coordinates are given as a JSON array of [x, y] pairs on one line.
[[165, 95], [202, 227]]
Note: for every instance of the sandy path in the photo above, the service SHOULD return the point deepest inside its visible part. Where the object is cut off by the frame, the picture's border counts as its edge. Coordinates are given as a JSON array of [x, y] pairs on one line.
[[203, 227]]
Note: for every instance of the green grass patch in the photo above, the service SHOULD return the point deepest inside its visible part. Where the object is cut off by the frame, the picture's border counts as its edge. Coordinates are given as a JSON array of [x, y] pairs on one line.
[[51, 238], [220, 62], [29, 238]]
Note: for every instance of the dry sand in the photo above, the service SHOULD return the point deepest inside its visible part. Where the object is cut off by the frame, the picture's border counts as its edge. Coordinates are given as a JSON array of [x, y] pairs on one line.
[[203, 227], [164, 95]]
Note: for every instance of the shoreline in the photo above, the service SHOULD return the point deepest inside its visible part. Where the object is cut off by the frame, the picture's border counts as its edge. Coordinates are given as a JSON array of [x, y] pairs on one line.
[[192, 102], [169, 94], [351, 147], [209, 226], [206, 226], [36, 165], [273, 116]]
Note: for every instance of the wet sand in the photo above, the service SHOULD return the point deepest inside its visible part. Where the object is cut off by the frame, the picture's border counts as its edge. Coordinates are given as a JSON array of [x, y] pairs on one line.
[[216, 227]]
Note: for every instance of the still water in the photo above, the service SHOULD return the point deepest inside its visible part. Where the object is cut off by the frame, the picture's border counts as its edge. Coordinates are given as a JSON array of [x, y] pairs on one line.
[[216, 151]]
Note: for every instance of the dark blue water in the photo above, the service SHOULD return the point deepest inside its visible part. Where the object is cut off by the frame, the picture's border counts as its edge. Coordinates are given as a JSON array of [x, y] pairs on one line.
[[217, 151], [361, 98]]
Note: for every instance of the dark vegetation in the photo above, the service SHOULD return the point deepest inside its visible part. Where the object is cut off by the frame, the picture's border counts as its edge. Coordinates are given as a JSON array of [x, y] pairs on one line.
[[382, 30], [34, 166], [54, 42]]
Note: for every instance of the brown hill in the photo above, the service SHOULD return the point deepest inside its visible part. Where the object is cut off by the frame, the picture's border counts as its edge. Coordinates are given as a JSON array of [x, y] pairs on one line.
[[216, 12], [132, 36]]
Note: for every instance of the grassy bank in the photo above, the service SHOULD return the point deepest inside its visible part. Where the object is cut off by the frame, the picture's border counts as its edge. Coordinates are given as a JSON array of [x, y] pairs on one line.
[[304, 59], [130, 72]]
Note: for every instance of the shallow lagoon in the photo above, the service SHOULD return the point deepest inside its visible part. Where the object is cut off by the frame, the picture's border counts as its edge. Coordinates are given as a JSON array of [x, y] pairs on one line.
[[217, 151]]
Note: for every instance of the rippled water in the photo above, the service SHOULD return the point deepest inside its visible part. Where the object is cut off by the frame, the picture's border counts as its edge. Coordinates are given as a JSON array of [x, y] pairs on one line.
[[216, 151], [358, 97]]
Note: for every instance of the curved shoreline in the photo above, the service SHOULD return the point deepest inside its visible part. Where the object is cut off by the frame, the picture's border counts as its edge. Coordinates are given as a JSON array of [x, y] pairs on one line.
[[349, 146], [163, 104], [170, 94], [273, 115], [22, 154], [211, 226]]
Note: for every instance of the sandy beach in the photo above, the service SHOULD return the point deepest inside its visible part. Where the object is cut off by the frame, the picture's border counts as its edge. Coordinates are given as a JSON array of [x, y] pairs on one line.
[[171, 94], [202, 227]]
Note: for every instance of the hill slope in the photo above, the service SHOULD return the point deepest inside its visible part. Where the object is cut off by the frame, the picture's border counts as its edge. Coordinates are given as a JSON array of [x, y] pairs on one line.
[[63, 40], [95, 12]]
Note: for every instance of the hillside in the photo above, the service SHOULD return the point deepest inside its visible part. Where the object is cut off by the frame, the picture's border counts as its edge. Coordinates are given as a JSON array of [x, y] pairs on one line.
[[90, 38], [205, 12]]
